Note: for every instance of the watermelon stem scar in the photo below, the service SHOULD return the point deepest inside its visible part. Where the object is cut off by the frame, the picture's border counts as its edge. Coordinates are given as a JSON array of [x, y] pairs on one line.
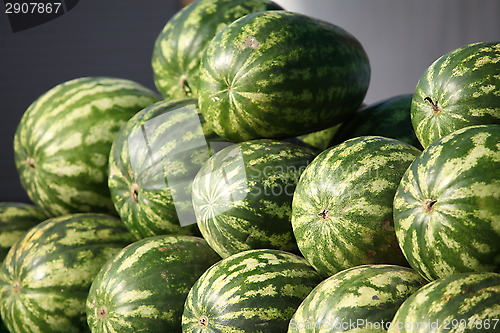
[[429, 205], [31, 162], [324, 214], [103, 311], [436, 109], [185, 86], [134, 192], [16, 287], [203, 321]]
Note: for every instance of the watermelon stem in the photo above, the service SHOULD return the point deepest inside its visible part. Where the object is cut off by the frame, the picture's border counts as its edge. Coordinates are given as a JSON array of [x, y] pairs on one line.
[[429, 205], [185, 86], [203, 321], [31, 162], [134, 192], [435, 106]]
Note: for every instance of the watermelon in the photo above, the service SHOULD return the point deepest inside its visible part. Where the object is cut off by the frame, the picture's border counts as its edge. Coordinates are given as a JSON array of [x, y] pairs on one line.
[[153, 161], [462, 302], [365, 298], [63, 140], [251, 291], [178, 48], [46, 276], [342, 206], [389, 117], [278, 74], [459, 89], [243, 196], [446, 211], [16, 218], [143, 288]]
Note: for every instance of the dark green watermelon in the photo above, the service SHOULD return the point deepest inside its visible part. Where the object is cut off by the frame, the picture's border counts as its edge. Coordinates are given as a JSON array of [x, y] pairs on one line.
[[389, 118], [279, 74]]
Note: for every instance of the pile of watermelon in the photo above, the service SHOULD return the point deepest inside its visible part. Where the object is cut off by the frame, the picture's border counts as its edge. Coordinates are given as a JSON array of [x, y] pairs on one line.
[[255, 192]]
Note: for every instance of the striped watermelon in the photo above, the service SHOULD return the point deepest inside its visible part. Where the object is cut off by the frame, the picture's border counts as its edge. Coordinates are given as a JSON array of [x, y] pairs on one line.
[[46, 276], [279, 74], [243, 194], [252, 291], [178, 48], [464, 302], [446, 209], [342, 207], [143, 288], [153, 161], [63, 140], [389, 117], [363, 298], [459, 89], [16, 218]]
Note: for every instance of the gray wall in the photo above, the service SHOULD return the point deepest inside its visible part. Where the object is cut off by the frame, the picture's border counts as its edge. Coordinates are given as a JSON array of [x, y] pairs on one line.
[[115, 38]]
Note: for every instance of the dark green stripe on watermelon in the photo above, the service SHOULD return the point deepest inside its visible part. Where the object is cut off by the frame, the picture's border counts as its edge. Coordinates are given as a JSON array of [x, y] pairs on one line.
[[465, 302], [459, 89], [361, 297], [180, 45], [252, 291], [279, 74], [342, 206], [63, 141], [389, 118], [16, 218], [153, 161], [446, 208], [144, 287], [243, 196], [46, 276]]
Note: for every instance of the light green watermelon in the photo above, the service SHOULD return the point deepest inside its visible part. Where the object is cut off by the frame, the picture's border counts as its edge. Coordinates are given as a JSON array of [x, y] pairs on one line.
[[63, 141]]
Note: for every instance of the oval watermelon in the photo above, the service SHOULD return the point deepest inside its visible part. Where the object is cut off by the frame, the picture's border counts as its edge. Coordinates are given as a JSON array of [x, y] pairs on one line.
[[363, 298], [464, 302], [178, 48], [63, 140], [278, 74], [459, 89], [243, 195], [153, 161], [342, 207], [251, 291], [143, 288], [446, 210], [46, 276]]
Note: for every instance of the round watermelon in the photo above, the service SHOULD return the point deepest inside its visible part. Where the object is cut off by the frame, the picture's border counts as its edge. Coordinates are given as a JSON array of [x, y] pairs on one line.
[[342, 206], [16, 218], [363, 298], [63, 140], [178, 48], [459, 303], [446, 208], [46, 276], [153, 162], [251, 291], [278, 74], [143, 288], [459, 89], [389, 117], [243, 196]]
